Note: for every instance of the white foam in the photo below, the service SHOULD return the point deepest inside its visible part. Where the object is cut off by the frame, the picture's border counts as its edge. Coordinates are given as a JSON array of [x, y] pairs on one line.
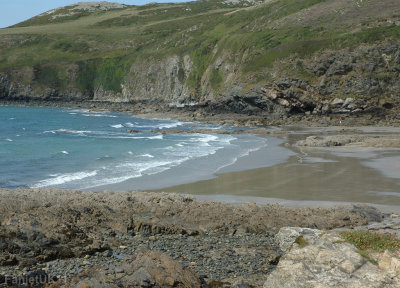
[[8, 140], [98, 114], [132, 170], [241, 155], [129, 124], [64, 152], [80, 110], [104, 157], [70, 131], [147, 155], [169, 125], [64, 178], [158, 137], [117, 126]]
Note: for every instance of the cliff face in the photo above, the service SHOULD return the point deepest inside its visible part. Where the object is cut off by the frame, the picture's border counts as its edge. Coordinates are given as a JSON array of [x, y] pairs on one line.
[[271, 66]]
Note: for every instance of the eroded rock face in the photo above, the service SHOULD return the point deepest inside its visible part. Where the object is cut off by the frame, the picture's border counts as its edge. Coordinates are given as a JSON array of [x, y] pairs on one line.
[[161, 80], [343, 82], [323, 259]]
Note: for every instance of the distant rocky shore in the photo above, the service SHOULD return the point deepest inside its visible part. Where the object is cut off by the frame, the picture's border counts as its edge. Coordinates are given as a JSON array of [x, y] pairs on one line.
[[217, 115], [138, 239]]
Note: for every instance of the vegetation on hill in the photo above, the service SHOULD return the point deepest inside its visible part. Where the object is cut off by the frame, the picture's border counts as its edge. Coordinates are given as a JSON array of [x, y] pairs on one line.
[[262, 39]]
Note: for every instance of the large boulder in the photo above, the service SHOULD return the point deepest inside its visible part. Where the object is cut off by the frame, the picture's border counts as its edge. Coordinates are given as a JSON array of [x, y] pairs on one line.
[[323, 259]]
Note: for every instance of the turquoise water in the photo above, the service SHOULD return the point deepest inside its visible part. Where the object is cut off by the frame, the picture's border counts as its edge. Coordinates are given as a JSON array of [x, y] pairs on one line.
[[81, 149]]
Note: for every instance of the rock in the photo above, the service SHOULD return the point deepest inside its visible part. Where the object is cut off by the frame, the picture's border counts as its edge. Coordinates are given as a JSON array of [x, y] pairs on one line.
[[348, 101], [355, 140], [326, 261], [337, 102], [241, 284], [141, 278], [146, 269], [287, 236], [390, 262]]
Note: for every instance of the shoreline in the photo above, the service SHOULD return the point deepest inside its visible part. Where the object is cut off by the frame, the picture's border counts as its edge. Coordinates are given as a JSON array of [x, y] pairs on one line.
[[207, 115], [253, 164], [237, 200]]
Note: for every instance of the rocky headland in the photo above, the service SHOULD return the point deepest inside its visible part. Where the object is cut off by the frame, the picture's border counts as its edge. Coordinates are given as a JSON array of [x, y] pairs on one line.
[[289, 67]]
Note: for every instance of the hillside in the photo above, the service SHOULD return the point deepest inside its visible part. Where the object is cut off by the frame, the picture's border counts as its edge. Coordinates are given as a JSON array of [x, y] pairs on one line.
[[271, 58]]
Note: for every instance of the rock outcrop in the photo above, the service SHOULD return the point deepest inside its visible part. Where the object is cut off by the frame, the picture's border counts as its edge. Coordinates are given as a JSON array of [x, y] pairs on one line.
[[356, 140], [317, 258]]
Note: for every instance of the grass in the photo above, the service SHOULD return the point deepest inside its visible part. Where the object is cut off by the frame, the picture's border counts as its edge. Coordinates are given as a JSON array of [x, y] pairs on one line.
[[367, 242], [301, 242], [372, 241], [108, 73]]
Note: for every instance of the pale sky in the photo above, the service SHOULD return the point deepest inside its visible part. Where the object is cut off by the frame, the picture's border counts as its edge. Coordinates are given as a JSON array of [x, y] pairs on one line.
[[15, 11]]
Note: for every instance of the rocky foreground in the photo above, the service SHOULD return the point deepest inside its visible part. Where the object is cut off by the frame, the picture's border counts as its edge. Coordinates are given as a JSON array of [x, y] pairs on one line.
[[59, 238]]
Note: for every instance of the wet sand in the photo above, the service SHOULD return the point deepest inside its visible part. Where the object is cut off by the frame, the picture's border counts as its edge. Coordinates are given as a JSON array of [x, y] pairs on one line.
[[312, 175]]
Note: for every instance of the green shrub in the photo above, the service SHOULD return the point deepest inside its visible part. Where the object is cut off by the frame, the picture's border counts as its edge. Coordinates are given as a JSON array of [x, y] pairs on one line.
[[48, 76], [301, 242], [373, 241], [215, 79], [108, 73]]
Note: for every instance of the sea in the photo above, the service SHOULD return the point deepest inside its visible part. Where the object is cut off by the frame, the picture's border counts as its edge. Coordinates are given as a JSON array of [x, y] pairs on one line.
[[90, 150]]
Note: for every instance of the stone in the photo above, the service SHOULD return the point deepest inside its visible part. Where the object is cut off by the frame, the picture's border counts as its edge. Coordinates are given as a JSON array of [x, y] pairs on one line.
[[390, 261], [146, 269], [287, 236], [348, 101], [327, 261], [337, 102]]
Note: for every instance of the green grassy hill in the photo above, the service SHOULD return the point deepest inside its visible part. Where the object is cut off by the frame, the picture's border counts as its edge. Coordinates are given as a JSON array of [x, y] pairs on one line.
[[208, 51]]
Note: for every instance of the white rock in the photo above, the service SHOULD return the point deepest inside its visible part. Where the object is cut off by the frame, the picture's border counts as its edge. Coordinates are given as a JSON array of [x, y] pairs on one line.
[[337, 102]]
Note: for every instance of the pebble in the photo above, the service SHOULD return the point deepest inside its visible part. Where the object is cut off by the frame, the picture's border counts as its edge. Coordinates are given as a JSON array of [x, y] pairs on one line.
[[216, 259]]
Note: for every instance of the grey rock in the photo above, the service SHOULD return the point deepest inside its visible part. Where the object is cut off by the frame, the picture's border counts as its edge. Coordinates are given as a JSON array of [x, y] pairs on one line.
[[327, 261], [287, 236], [141, 278]]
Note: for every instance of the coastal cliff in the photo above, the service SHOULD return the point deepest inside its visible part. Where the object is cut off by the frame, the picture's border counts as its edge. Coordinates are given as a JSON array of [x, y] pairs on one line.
[[271, 58]]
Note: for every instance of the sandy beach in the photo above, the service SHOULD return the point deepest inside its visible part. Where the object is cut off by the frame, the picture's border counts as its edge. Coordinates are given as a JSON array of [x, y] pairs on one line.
[[311, 176]]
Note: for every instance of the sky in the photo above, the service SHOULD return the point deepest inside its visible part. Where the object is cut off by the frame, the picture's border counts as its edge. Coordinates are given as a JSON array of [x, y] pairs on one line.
[[15, 11]]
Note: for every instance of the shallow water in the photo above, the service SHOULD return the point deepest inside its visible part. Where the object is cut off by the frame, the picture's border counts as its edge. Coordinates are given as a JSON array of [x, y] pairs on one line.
[[81, 149]]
